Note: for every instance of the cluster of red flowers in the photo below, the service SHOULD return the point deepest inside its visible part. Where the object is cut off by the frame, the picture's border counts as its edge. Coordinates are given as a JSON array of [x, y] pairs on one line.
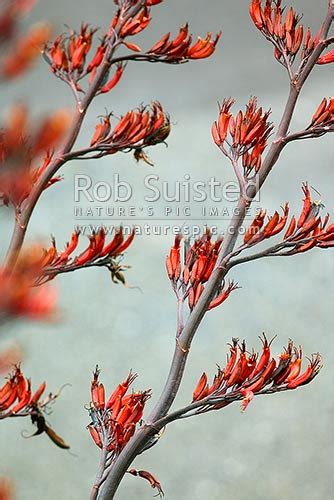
[[249, 132], [200, 260], [98, 253], [114, 420], [22, 50], [142, 127], [287, 35], [307, 232], [257, 233], [180, 48], [17, 400], [67, 55], [21, 145], [135, 23], [324, 116], [16, 396], [19, 298], [247, 374]]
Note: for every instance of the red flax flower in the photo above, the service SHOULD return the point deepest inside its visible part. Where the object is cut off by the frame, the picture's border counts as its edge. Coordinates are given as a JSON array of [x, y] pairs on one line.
[[307, 231], [25, 52], [323, 118], [248, 374], [200, 260], [181, 49], [327, 58], [98, 253], [67, 55], [19, 298], [114, 420], [137, 129], [18, 400], [244, 136], [284, 31], [21, 147]]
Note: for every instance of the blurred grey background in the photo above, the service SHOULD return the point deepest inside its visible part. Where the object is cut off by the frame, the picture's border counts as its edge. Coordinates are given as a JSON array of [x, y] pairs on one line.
[[282, 447]]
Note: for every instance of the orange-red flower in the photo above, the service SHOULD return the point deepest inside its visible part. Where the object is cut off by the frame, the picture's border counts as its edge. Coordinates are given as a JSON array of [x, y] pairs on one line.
[[247, 374], [324, 116], [200, 260], [16, 397], [21, 147], [244, 136], [258, 230], [114, 420], [97, 253], [137, 129], [181, 48], [19, 297], [18, 400], [309, 230], [326, 58], [283, 30]]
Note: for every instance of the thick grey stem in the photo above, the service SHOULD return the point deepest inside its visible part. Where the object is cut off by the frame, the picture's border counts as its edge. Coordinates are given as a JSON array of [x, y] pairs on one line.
[[182, 347]]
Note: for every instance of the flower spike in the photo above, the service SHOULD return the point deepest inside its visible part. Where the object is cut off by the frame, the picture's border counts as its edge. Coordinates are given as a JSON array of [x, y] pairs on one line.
[[114, 420], [98, 253], [199, 262], [18, 400], [244, 136], [247, 374]]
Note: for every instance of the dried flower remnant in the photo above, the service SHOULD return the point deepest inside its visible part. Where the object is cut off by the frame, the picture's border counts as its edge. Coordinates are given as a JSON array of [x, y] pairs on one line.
[[323, 119], [245, 136], [150, 478], [248, 374], [18, 400], [199, 263], [67, 53], [98, 253]]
